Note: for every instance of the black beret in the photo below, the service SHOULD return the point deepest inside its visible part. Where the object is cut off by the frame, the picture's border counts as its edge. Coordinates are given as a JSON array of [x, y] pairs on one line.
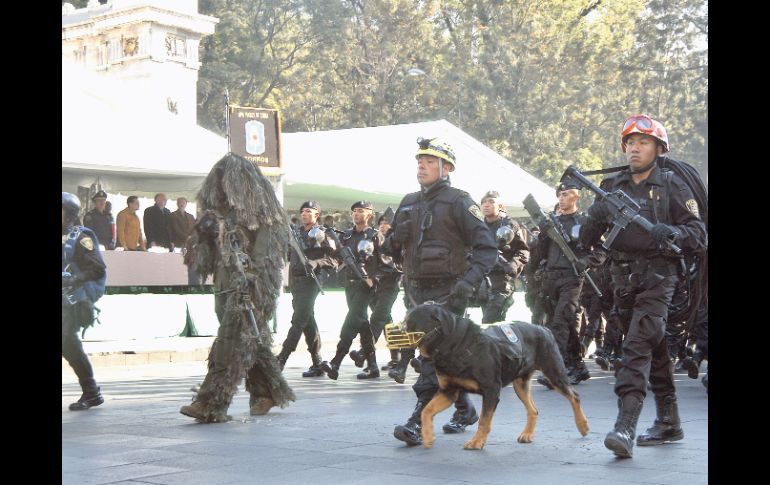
[[362, 204], [101, 194], [492, 194], [310, 204], [566, 185]]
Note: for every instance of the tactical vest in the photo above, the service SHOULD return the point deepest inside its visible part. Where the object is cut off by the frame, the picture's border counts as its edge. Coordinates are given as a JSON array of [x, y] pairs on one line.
[[91, 290], [350, 241], [436, 248], [555, 257]]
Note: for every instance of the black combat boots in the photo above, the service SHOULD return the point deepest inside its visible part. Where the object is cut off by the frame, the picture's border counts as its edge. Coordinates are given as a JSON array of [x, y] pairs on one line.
[[315, 369], [393, 361], [371, 370], [398, 373], [464, 415], [666, 427], [621, 439], [358, 357], [411, 433], [90, 398], [579, 373], [692, 364]]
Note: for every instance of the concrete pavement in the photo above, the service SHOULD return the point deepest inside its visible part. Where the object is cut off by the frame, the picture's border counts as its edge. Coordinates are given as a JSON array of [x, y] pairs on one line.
[[341, 432]]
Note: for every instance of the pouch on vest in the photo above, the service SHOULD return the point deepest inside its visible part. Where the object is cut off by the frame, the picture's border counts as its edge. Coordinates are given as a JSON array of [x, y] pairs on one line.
[[434, 259]]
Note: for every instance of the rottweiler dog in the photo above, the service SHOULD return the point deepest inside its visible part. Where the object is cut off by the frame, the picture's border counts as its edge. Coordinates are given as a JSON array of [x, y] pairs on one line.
[[483, 361]]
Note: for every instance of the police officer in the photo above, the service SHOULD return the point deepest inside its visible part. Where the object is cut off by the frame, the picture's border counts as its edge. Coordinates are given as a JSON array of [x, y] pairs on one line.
[[319, 250], [513, 255], [100, 221], [561, 286], [364, 251], [532, 274], [82, 280], [388, 284], [644, 275], [440, 236]]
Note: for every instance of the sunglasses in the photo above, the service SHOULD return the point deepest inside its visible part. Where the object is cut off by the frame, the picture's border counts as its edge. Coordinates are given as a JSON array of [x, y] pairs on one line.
[[641, 122]]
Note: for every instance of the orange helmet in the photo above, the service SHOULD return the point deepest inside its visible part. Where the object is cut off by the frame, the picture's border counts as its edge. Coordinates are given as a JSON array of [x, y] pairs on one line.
[[645, 125]]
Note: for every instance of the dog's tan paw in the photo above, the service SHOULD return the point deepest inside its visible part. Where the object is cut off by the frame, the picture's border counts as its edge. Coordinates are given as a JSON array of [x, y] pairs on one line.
[[583, 427], [526, 437], [428, 438], [474, 444]]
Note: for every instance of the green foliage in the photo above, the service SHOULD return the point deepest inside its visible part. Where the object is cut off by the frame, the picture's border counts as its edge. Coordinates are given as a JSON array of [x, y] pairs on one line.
[[546, 83]]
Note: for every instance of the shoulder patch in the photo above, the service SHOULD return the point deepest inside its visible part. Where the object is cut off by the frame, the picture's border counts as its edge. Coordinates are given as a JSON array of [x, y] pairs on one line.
[[692, 206], [87, 243], [474, 209]]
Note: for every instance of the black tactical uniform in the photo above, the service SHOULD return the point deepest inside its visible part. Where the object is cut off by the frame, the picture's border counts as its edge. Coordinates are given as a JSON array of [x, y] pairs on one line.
[[101, 223], [444, 244], [304, 292], [644, 277], [512, 257], [358, 295], [561, 287], [533, 275], [592, 312], [83, 278]]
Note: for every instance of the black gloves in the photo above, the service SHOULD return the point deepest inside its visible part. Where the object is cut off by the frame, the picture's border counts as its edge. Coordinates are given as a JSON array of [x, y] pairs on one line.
[[599, 211], [67, 279], [462, 289], [401, 232], [661, 232], [544, 224], [581, 265]]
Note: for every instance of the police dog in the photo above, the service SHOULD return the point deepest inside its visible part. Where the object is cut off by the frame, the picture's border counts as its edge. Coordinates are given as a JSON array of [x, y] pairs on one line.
[[483, 361]]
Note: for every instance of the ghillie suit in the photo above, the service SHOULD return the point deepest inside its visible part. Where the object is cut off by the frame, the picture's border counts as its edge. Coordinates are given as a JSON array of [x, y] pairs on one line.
[[240, 238]]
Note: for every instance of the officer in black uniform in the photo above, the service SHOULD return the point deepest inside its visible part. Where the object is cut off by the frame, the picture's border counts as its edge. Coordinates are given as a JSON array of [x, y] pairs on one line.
[[365, 248], [100, 220], [592, 313], [82, 280], [644, 276], [320, 252], [561, 285], [513, 254], [388, 284], [532, 275], [440, 236]]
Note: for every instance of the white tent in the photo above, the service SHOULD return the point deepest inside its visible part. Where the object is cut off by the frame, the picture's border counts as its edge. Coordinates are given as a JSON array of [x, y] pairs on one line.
[[109, 134], [341, 166]]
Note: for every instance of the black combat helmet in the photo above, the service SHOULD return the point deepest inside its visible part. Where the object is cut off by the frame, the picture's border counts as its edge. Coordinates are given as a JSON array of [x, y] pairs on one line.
[[71, 205]]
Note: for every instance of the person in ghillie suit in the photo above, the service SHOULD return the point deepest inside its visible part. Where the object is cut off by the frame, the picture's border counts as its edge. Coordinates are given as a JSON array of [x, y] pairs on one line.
[[239, 238]]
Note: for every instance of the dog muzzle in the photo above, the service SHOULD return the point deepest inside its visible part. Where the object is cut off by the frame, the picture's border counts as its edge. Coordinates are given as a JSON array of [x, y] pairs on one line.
[[397, 337]]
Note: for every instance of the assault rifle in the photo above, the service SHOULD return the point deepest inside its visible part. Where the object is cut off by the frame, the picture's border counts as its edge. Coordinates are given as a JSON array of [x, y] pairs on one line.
[[556, 232], [240, 260], [296, 246], [348, 257], [623, 208]]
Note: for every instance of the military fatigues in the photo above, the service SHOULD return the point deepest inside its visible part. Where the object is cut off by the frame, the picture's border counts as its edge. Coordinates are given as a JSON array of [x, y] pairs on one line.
[[644, 277], [592, 311], [80, 258], [358, 295], [561, 287], [445, 226], [510, 262], [101, 223], [304, 292]]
